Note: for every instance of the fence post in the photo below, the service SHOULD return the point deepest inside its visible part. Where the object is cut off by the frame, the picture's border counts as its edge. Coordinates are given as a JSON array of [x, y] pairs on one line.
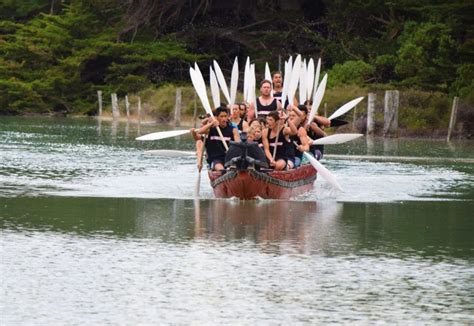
[[127, 107], [99, 96], [390, 128], [115, 108], [354, 116], [452, 120], [371, 114], [177, 108], [325, 109], [139, 110]]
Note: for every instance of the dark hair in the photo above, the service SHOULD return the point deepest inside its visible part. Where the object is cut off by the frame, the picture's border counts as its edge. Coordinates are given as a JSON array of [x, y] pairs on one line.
[[265, 81], [277, 72], [221, 109], [308, 102], [303, 108], [274, 115]]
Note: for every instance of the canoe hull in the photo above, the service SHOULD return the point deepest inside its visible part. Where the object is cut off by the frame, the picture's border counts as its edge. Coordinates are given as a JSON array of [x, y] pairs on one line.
[[251, 184]]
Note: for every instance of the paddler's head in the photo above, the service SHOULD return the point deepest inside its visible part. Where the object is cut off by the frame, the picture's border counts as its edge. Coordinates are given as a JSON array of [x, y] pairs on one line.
[[222, 116], [235, 112], [265, 87], [277, 79], [272, 119]]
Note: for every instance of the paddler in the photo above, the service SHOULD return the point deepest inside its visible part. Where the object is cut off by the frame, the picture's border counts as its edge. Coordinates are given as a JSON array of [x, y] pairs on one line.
[[214, 147], [265, 103], [299, 142], [277, 81], [236, 120], [275, 136], [315, 130]]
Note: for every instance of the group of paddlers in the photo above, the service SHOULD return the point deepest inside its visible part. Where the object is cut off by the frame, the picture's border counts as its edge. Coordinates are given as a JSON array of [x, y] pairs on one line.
[[281, 130]]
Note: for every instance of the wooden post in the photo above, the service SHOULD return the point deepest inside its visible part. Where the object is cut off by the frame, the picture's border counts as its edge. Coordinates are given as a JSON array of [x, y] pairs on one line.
[[390, 128], [177, 108], [279, 62], [99, 96], [127, 107], [452, 121], [354, 117], [139, 109], [115, 108], [371, 114], [325, 109]]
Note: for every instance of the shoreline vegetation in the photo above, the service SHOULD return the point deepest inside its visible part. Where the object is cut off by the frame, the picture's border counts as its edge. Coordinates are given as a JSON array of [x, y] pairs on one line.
[[56, 55]]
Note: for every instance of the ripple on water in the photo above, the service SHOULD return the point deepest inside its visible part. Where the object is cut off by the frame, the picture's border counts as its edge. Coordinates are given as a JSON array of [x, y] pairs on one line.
[[101, 279]]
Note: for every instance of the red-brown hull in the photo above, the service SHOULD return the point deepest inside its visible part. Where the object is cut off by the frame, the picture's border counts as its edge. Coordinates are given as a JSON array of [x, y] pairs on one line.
[[251, 184]]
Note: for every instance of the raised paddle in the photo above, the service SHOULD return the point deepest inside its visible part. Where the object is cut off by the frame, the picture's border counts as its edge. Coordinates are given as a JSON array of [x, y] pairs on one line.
[[200, 87], [310, 79], [246, 78], [316, 76], [234, 80], [216, 97], [317, 99], [222, 82], [336, 139], [346, 107]]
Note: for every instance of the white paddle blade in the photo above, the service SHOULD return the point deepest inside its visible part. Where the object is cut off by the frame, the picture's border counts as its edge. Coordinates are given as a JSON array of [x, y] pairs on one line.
[[200, 87], [171, 153], [295, 77], [317, 99], [336, 139], [310, 79], [302, 88], [222, 82], [216, 96], [286, 81], [268, 75], [325, 173], [246, 77], [346, 107], [234, 79], [316, 77], [162, 135]]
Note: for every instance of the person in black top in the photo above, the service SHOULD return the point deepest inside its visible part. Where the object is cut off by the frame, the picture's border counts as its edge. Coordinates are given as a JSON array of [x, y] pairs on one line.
[[275, 136], [277, 81], [236, 120], [214, 147], [265, 103]]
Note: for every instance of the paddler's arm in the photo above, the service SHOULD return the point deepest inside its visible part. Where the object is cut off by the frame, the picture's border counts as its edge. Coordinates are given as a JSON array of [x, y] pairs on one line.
[[205, 129], [236, 134], [266, 145], [322, 121], [290, 129], [318, 131], [251, 111], [304, 139]]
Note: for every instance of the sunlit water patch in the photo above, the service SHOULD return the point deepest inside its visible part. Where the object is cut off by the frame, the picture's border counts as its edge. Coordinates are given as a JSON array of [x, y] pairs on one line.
[[74, 160]]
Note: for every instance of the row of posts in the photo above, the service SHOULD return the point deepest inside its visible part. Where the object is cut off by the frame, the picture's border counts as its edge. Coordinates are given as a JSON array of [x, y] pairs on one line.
[[115, 106], [391, 105]]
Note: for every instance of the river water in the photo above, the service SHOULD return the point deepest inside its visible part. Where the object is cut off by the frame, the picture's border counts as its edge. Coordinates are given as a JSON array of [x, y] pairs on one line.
[[96, 230]]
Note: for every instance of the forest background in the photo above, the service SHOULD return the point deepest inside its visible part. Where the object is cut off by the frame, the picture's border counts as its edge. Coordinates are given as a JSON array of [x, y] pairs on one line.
[[56, 54]]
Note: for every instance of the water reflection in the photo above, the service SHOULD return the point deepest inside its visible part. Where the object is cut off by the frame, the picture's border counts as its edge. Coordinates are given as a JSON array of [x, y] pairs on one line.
[[278, 227]]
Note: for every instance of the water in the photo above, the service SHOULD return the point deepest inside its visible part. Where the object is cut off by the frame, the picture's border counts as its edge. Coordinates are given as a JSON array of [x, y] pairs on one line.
[[96, 231]]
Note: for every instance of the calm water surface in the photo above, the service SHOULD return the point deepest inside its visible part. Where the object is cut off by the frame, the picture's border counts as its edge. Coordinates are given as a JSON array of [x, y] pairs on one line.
[[96, 231]]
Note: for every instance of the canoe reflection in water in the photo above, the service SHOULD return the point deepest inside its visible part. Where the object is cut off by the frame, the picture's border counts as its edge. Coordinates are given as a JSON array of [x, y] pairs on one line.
[[305, 225]]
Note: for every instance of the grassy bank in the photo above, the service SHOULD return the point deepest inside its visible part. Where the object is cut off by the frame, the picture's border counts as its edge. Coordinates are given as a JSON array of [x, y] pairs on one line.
[[421, 113]]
